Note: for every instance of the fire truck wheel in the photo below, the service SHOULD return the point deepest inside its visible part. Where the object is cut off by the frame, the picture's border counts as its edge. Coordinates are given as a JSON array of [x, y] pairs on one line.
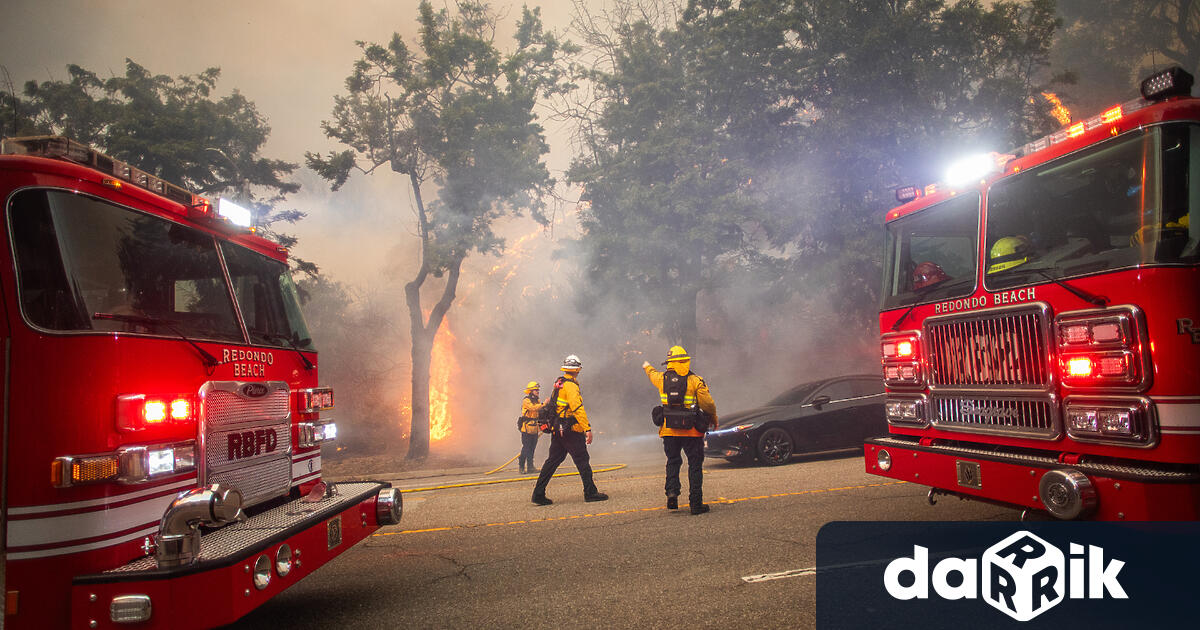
[[774, 447]]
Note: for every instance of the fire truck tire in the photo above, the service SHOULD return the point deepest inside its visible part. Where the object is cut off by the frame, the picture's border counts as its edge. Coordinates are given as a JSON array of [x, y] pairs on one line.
[[775, 447]]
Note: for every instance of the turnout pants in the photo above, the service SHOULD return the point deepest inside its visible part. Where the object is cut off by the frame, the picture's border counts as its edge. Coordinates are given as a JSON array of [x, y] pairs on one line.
[[528, 444], [572, 443], [694, 448]]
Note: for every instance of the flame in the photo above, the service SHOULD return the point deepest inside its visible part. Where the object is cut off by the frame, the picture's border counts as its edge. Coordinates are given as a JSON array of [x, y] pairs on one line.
[[441, 369], [1059, 111]]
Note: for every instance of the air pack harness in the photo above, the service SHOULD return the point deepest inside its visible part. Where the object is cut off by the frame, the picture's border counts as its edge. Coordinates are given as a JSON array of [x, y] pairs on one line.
[[551, 422], [675, 414]]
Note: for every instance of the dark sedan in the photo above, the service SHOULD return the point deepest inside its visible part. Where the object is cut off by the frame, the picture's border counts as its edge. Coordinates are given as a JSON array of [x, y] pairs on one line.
[[835, 413]]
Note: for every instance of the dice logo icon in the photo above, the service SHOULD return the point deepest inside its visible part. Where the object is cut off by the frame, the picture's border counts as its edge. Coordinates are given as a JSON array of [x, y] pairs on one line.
[[1023, 576]]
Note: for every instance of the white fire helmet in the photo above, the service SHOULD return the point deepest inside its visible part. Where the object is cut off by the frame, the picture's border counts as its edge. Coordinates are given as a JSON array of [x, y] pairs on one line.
[[572, 364]]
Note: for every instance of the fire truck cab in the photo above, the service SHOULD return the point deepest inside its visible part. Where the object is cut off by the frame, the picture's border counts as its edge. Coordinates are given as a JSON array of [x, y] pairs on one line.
[[161, 453], [1040, 325]]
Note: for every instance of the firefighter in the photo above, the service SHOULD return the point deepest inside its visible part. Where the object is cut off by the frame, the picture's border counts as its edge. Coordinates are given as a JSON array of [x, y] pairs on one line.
[[527, 424], [570, 433], [928, 274], [1008, 252], [685, 399], [1177, 229]]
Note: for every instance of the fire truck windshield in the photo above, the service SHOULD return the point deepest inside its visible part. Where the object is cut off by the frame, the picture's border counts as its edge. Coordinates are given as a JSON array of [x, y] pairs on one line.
[[931, 254], [1120, 204], [267, 297], [78, 255]]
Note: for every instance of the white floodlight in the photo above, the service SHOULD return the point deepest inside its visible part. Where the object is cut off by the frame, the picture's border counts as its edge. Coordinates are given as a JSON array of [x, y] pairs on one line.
[[970, 169], [236, 214]]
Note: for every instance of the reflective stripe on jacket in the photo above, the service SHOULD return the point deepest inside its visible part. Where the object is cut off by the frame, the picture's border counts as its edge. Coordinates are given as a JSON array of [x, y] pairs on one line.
[[570, 403], [697, 393], [528, 422]]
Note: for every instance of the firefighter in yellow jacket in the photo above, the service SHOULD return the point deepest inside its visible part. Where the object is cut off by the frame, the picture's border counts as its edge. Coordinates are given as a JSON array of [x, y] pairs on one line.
[[527, 424], [687, 412], [570, 433]]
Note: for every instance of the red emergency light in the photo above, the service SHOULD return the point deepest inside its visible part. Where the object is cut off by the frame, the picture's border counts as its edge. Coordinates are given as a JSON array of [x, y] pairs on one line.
[[137, 412], [1079, 367], [900, 364]]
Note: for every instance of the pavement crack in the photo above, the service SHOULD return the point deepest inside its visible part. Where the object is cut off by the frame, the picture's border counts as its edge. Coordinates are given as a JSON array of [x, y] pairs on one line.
[[460, 569]]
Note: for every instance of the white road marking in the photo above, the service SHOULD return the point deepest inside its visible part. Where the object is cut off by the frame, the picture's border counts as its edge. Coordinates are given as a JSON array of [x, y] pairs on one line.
[[751, 579], [766, 577]]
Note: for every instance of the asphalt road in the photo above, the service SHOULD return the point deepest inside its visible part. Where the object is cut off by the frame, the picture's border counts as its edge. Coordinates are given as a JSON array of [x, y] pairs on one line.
[[485, 557]]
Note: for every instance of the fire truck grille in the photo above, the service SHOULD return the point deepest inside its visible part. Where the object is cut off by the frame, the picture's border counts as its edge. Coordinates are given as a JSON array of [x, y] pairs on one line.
[[257, 483], [250, 443], [222, 407], [1005, 351], [1034, 417], [248, 439]]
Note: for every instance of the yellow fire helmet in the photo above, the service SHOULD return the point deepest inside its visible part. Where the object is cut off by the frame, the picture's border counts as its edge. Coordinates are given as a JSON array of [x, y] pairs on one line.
[[1173, 229], [1008, 252], [531, 386], [676, 353]]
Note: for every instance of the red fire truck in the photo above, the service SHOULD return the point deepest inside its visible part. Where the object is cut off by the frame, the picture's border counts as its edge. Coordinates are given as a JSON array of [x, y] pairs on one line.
[[1040, 324], [162, 417]]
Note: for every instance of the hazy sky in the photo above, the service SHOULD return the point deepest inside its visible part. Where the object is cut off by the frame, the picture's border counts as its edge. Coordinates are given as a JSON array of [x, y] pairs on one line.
[[288, 56]]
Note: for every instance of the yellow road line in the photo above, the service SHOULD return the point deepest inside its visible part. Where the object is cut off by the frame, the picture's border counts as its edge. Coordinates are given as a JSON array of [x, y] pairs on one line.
[[631, 511], [489, 482]]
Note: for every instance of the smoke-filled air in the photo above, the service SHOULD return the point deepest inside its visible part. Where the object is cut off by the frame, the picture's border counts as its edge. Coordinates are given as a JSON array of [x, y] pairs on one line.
[[471, 192]]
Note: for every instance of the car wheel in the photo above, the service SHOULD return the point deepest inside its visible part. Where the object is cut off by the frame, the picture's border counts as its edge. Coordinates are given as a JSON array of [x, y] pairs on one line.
[[774, 447]]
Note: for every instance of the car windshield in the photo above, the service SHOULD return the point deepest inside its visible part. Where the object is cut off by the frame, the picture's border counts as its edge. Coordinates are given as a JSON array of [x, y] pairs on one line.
[[1120, 204], [931, 254], [794, 396]]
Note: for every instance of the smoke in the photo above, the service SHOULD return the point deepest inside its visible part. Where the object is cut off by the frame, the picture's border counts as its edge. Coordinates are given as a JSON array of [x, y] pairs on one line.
[[518, 314]]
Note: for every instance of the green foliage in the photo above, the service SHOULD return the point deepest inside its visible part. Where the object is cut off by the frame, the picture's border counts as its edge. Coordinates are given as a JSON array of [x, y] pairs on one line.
[[172, 127], [895, 91], [455, 117], [895, 84], [458, 116], [691, 119], [1110, 45], [769, 134]]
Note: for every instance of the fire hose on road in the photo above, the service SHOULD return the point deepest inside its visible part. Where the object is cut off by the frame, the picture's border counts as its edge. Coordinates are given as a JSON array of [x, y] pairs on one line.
[[501, 467], [486, 482]]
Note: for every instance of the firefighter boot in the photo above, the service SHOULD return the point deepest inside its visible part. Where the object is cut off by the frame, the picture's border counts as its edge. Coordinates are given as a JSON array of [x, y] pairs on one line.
[[541, 499], [699, 508], [672, 503], [595, 496]]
